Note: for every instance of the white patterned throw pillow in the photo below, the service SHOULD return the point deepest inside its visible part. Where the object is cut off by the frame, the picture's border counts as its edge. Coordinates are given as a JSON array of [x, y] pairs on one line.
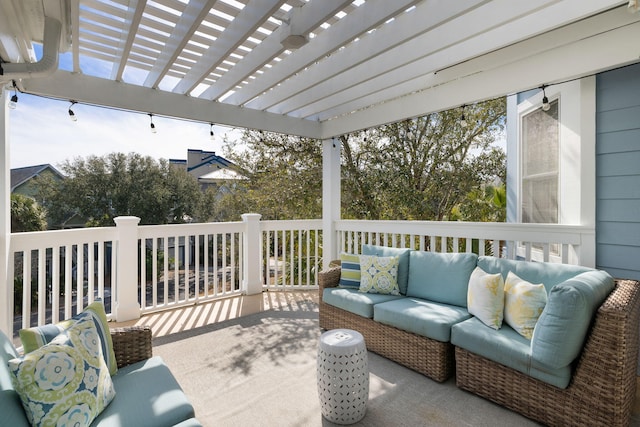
[[65, 382], [485, 297], [379, 275]]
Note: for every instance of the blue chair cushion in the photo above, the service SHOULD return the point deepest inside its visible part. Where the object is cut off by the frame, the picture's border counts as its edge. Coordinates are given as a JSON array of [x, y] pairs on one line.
[[562, 327], [506, 347], [354, 301], [547, 273], [425, 318], [441, 277], [11, 412], [147, 395], [403, 265]]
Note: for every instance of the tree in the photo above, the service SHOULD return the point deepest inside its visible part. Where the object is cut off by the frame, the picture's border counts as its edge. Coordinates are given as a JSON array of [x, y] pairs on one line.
[[102, 188], [422, 168], [284, 177], [26, 214]]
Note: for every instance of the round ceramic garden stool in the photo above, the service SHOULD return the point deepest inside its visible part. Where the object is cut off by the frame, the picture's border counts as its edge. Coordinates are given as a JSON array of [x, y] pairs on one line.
[[343, 376]]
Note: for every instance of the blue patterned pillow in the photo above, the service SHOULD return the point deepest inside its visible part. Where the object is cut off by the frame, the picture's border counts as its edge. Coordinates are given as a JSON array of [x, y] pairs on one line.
[[65, 382], [379, 275], [350, 271]]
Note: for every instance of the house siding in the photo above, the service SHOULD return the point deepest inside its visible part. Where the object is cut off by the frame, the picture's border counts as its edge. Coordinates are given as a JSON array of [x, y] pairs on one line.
[[618, 172]]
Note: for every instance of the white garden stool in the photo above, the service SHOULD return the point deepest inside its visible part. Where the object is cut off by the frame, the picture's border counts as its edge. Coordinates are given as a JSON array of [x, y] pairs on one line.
[[343, 376]]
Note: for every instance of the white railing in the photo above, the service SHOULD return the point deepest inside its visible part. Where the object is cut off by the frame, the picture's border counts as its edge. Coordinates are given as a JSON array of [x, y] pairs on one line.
[[539, 242], [291, 253], [141, 269]]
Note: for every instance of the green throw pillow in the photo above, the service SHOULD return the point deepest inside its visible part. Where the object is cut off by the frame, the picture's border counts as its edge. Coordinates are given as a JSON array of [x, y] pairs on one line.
[[350, 270], [65, 382], [36, 337], [379, 275], [523, 304]]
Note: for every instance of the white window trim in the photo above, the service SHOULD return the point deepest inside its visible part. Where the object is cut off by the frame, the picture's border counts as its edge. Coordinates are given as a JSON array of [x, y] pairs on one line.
[[576, 186]]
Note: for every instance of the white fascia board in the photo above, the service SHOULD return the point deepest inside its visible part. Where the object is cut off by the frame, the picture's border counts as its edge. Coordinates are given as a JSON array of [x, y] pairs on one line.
[[588, 56], [101, 92]]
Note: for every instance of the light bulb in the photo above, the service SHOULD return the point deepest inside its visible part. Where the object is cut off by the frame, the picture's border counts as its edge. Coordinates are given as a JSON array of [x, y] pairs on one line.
[[463, 121], [545, 104], [153, 128], [13, 102], [211, 134]]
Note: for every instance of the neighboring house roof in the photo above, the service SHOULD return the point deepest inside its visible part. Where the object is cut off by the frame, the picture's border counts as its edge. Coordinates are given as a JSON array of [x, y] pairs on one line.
[[21, 175], [221, 174]]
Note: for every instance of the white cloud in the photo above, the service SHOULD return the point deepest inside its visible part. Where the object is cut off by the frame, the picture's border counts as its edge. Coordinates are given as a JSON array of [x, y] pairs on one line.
[[41, 132]]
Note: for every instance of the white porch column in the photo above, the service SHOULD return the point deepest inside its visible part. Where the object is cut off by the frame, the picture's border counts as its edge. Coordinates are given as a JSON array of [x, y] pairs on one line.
[[126, 258], [6, 286], [330, 199], [251, 283]]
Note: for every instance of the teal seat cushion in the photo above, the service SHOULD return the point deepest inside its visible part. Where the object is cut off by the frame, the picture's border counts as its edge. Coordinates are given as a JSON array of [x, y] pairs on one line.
[[11, 412], [147, 395], [547, 273], [562, 327], [441, 277], [191, 422], [429, 319], [354, 301], [403, 265], [506, 347]]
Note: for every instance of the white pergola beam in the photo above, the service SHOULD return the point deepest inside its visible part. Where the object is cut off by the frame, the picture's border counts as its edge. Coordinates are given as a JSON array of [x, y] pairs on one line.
[[95, 91], [132, 22], [584, 57], [311, 15], [455, 41], [341, 33], [247, 21], [424, 17]]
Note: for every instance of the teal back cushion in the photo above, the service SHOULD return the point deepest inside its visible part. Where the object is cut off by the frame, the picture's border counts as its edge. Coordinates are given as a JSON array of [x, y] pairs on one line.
[[561, 329], [11, 412], [549, 274], [440, 277], [403, 265]]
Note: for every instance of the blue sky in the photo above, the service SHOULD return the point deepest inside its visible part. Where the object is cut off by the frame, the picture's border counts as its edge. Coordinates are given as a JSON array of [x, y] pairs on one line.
[[41, 131]]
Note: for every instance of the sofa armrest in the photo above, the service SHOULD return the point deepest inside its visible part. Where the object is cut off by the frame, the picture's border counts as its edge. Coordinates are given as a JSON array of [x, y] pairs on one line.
[[131, 344], [329, 278]]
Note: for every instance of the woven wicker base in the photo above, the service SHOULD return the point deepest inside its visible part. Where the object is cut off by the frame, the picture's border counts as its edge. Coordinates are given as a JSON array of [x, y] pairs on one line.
[[603, 386], [429, 357]]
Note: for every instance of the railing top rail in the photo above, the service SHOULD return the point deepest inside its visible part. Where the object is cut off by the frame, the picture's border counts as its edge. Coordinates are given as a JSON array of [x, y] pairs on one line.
[[169, 230], [558, 233], [35, 239], [296, 224]]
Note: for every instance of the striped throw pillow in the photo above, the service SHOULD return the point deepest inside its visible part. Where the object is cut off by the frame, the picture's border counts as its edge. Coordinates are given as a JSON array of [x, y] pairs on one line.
[[350, 273]]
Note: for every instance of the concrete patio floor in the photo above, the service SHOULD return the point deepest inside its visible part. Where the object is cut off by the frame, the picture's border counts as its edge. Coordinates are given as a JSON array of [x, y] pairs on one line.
[[175, 325]]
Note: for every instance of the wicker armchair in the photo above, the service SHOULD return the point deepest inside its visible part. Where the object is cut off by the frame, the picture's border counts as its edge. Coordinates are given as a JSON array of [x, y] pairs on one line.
[[131, 344], [603, 386]]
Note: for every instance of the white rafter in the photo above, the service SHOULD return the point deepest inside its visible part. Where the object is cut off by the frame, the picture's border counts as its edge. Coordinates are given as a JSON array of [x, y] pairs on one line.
[[255, 13]]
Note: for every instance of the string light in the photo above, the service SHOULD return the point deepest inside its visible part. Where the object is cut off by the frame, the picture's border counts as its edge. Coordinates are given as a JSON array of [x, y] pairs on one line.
[[151, 125], [545, 101], [72, 115], [13, 102], [463, 120], [211, 134]]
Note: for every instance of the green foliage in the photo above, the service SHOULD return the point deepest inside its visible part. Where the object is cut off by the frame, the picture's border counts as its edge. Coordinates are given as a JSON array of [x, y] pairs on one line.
[[102, 188], [420, 169], [26, 214], [284, 177]]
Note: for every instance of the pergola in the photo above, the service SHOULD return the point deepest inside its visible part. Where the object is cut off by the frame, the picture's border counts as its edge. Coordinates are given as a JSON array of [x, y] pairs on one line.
[[314, 68]]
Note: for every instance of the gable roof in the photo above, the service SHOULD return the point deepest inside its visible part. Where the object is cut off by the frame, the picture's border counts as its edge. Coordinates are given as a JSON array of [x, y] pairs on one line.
[[21, 175]]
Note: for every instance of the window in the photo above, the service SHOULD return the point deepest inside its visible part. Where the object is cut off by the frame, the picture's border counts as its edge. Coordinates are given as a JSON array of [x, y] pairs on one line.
[[540, 154]]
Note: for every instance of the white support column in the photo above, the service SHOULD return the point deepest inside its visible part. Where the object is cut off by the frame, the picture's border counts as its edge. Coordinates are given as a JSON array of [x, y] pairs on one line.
[[251, 283], [6, 285], [126, 258], [330, 198]]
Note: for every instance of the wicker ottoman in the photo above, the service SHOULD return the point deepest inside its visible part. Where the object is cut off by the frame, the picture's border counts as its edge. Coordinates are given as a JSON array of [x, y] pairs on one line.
[[343, 376]]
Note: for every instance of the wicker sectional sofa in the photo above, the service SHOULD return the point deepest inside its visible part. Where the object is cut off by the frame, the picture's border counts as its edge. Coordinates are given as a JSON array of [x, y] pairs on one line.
[[596, 388]]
